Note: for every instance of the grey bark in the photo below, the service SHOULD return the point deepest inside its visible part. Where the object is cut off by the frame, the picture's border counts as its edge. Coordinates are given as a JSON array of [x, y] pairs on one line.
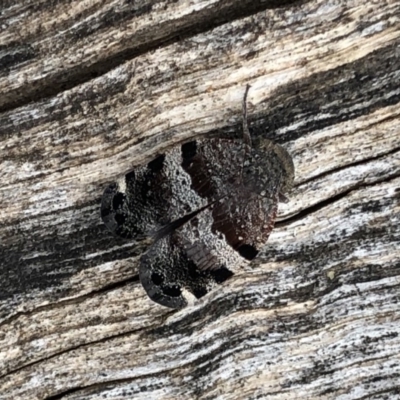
[[91, 89]]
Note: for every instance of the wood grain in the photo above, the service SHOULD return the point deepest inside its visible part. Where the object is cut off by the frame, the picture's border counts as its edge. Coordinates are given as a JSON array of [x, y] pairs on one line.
[[91, 89]]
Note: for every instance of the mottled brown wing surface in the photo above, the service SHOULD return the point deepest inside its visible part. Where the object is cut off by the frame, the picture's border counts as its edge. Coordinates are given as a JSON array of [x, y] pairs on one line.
[[246, 222], [139, 202], [246, 184], [193, 253], [187, 261], [207, 207]]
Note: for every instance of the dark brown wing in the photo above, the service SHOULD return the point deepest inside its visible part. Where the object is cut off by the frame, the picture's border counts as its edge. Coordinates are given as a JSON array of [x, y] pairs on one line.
[[192, 252], [246, 222], [247, 180]]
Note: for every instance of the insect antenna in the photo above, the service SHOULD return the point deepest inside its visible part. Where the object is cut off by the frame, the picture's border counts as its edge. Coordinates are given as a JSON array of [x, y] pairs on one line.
[[246, 132], [177, 223]]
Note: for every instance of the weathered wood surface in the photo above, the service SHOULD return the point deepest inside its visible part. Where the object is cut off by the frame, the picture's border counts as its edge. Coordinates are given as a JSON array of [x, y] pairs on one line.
[[90, 89]]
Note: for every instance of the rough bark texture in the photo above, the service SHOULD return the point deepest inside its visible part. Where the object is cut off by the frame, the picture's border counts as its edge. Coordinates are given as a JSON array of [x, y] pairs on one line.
[[90, 89]]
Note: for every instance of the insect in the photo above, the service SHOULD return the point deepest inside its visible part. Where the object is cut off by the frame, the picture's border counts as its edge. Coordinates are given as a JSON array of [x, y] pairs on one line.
[[208, 207]]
